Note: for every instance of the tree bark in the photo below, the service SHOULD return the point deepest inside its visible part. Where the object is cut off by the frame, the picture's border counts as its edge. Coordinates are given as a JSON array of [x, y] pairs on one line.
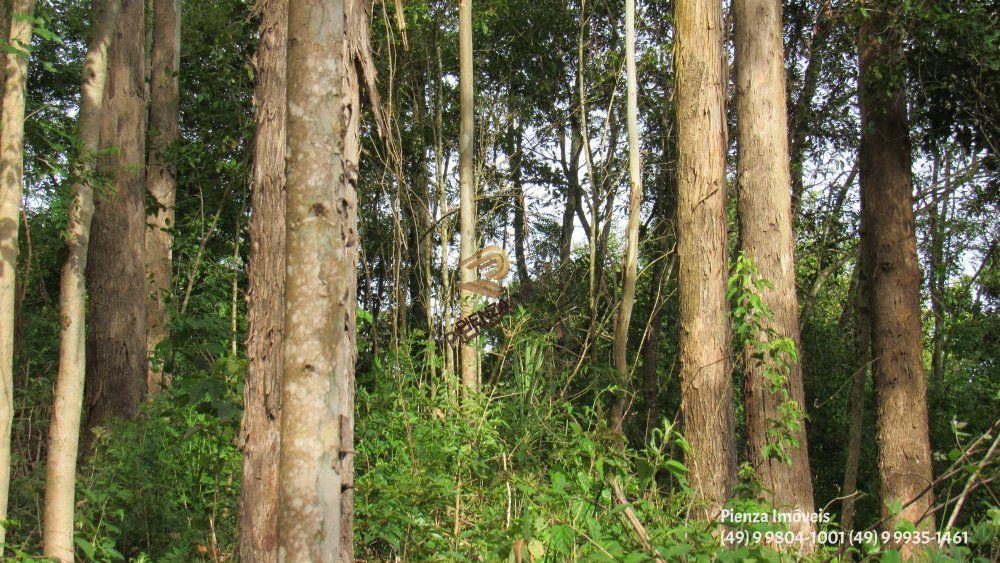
[[357, 62], [320, 285], [763, 189], [888, 222], [67, 405], [701, 217], [467, 185], [258, 519], [631, 259], [116, 273], [161, 176], [15, 78]]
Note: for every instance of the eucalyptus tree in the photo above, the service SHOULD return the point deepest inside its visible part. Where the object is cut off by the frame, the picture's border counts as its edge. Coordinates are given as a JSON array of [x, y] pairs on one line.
[[260, 437], [319, 350], [701, 248], [467, 197], [116, 271], [15, 78], [161, 175], [889, 248], [67, 404], [774, 395], [631, 258]]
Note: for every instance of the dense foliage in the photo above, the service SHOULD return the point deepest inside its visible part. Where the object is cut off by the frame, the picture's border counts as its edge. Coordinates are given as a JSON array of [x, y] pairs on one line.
[[529, 465]]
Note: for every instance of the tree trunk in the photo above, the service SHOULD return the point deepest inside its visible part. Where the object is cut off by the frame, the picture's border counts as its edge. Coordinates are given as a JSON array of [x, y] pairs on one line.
[[765, 207], [161, 175], [356, 55], [631, 259], [520, 210], [320, 284], [701, 248], [571, 169], [938, 275], [888, 221], [11, 179], [467, 183], [258, 521], [116, 273], [64, 430], [862, 358]]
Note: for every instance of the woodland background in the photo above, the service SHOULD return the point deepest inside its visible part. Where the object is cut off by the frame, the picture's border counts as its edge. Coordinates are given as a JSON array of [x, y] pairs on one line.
[[531, 464]]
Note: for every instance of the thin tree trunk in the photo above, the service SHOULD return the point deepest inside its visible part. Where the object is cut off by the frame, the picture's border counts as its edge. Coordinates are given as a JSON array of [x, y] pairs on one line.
[[701, 247], [11, 189], [888, 221], [439, 175], [571, 169], [765, 206], [320, 284], [631, 259], [261, 439], [862, 360], [67, 404], [467, 183], [938, 221], [116, 274], [520, 210], [161, 175]]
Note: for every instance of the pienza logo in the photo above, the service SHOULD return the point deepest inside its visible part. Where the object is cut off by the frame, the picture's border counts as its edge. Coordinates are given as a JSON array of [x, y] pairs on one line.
[[495, 265]]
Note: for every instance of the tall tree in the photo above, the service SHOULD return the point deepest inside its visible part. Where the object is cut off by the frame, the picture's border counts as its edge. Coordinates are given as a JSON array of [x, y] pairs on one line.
[[467, 185], [67, 405], [701, 250], [265, 294], [116, 271], [161, 174], [15, 78], [887, 218], [765, 206], [631, 260], [320, 285]]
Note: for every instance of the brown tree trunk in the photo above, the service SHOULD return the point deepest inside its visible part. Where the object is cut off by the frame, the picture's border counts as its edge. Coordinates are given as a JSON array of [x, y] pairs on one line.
[[888, 221], [765, 206], [320, 284], [467, 182], [520, 210], [631, 258], [258, 520], [15, 78], [862, 359], [706, 388], [67, 405], [161, 175], [116, 273], [357, 65]]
